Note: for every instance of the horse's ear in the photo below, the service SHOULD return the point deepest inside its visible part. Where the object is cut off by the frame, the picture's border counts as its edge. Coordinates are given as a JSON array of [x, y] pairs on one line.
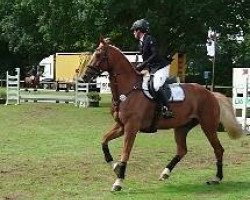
[[102, 40]]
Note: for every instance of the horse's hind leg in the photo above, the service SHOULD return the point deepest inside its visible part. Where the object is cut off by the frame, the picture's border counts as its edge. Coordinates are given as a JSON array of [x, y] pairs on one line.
[[180, 139], [115, 132], [211, 134]]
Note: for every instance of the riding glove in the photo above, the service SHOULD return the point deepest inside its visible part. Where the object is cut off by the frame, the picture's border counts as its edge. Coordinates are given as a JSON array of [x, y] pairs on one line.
[[141, 66]]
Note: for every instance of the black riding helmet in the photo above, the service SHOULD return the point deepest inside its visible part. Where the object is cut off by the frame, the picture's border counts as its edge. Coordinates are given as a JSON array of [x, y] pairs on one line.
[[141, 24]]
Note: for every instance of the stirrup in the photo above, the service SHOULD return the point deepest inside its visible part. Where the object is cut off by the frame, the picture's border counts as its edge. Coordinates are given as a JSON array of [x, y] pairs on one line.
[[167, 113]]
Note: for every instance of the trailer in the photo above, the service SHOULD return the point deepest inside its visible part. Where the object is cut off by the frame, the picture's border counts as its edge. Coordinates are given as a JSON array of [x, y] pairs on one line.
[[62, 67]]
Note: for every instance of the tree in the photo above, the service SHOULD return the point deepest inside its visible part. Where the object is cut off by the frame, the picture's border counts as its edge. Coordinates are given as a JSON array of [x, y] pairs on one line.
[[33, 29]]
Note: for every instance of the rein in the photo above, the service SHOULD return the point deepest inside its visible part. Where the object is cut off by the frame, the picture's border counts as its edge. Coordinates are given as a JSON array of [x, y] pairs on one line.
[[117, 98]]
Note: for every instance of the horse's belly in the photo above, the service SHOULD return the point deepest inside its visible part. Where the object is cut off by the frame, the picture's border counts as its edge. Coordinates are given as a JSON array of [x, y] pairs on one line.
[[172, 123]]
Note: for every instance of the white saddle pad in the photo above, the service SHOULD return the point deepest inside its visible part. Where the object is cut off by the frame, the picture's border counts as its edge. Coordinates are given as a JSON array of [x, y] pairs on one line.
[[177, 93]]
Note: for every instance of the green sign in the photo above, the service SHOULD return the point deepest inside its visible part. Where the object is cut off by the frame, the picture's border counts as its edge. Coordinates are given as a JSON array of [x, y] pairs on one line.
[[240, 100]]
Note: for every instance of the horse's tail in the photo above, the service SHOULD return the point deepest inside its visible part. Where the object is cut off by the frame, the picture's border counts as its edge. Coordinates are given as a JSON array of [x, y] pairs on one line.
[[227, 117]]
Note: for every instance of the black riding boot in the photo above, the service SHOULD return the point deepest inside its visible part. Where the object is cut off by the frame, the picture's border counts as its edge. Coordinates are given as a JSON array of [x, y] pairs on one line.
[[163, 97]]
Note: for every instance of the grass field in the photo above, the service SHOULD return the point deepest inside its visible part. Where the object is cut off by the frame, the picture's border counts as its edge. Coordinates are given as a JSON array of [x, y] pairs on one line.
[[53, 151]]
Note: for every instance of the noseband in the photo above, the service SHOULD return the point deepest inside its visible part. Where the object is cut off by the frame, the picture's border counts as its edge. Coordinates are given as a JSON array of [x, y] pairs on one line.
[[95, 70]]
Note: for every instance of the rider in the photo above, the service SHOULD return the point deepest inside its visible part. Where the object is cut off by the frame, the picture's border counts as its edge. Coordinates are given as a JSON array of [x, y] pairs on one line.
[[153, 62], [32, 71]]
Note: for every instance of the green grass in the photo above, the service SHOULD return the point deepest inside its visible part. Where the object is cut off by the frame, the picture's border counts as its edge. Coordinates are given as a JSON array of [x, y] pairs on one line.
[[52, 151]]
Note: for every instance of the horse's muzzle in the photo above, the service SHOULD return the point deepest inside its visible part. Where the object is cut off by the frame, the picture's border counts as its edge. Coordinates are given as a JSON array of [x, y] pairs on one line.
[[91, 73]]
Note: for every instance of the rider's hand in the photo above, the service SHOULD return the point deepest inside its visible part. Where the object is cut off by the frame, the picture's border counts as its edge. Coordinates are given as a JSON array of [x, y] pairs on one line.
[[145, 72], [140, 66]]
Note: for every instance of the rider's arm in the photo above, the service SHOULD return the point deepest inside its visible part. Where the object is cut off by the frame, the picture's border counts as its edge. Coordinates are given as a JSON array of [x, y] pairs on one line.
[[153, 55], [151, 46]]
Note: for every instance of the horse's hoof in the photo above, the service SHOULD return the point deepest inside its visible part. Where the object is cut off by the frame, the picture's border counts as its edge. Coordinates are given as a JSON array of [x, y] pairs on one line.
[[116, 188], [165, 174], [214, 181], [164, 177]]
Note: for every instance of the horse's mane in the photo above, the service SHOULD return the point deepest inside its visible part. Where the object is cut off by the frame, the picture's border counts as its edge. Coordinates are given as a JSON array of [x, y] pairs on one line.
[[116, 49]]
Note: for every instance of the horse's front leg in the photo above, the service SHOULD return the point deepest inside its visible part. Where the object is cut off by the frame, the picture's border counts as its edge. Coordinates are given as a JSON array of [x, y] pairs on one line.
[[130, 130], [116, 131]]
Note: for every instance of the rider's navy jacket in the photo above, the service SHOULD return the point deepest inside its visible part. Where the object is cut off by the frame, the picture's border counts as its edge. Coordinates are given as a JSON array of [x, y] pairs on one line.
[[150, 55]]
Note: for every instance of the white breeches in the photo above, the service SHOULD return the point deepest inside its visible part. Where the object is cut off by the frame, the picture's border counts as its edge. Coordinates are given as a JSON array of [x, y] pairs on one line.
[[160, 77]]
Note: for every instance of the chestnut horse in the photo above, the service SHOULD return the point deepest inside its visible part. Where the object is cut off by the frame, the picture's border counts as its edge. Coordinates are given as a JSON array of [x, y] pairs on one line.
[[133, 112], [32, 81]]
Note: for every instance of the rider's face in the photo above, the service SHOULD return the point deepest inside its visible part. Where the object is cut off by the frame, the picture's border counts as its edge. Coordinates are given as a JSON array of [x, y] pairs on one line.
[[137, 34]]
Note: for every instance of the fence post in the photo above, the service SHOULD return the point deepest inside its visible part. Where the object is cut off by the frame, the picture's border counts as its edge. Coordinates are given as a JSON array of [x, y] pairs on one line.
[[13, 87]]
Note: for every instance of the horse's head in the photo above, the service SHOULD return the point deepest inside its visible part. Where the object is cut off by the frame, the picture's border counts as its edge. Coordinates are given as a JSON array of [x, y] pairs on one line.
[[99, 62]]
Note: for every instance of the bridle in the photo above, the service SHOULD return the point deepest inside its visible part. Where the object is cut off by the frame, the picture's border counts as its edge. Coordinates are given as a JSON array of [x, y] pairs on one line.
[[96, 71]]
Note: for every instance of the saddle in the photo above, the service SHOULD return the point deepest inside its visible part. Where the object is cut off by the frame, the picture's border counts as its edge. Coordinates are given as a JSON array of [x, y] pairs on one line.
[[174, 89], [174, 92]]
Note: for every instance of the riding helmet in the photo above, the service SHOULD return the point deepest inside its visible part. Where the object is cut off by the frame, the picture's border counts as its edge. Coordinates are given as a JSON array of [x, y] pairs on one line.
[[141, 24]]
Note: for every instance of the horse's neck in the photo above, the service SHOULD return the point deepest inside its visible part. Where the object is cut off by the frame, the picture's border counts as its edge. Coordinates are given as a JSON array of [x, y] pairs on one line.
[[123, 77]]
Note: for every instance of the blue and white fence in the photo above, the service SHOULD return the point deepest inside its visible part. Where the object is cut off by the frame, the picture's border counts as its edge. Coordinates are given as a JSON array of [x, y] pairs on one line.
[[13, 88], [241, 96], [16, 96]]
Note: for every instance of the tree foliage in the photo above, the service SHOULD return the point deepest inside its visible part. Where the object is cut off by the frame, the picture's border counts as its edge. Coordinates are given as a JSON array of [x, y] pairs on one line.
[[33, 29]]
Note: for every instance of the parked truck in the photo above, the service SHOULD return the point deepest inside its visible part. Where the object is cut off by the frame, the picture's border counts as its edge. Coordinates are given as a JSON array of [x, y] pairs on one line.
[[62, 66]]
